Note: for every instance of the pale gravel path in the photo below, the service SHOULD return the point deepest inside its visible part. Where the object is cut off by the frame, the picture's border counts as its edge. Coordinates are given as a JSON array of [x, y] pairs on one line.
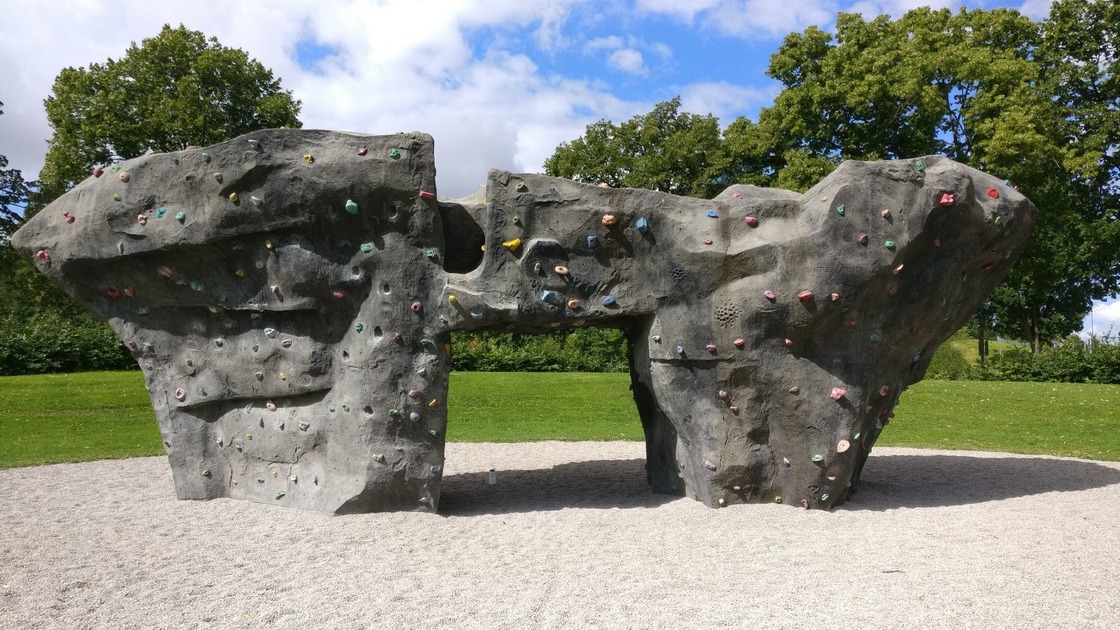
[[571, 537]]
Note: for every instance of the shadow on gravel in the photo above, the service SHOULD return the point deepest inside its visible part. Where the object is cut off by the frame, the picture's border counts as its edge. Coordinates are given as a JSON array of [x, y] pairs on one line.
[[915, 481], [595, 484]]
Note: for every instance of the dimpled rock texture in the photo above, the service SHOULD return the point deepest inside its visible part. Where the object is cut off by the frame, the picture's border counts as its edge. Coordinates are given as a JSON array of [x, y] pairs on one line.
[[294, 343]]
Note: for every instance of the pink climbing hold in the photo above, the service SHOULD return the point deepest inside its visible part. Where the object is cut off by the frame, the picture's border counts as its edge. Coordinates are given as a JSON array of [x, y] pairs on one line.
[[740, 342], [180, 394], [937, 242], [805, 503], [142, 219], [795, 390], [891, 291], [842, 446], [789, 343], [427, 195], [723, 394], [414, 393], [338, 295], [734, 408], [709, 465], [166, 272], [124, 177], [707, 241], [862, 239], [657, 338], [947, 199], [884, 390], [129, 292], [751, 221], [711, 348], [805, 296], [852, 322], [69, 217], [363, 150], [737, 195], [113, 293], [271, 406], [397, 337], [44, 256], [769, 295], [416, 307], [97, 171], [837, 393]]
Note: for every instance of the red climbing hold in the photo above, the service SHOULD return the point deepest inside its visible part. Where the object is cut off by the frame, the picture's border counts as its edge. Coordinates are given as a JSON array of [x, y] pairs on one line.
[[947, 199], [805, 296], [993, 193]]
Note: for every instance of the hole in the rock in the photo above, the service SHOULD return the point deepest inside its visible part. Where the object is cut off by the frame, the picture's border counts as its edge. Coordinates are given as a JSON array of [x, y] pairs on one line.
[[377, 332], [385, 288], [463, 237]]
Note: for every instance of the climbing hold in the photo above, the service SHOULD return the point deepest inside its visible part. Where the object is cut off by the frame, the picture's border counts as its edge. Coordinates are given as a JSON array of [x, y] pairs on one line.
[[843, 445], [574, 304], [271, 333], [561, 270], [918, 164], [592, 241], [707, 241], [113, 293], [609, 300], [394, 413], [609, 220], [283, 376], [166, 272], [805, 296], [180, 394], [44, 257], [309, 158], [123, 177], [359, 327], [789, 343], [680, 350], [884, 390], [68, 217], [142, 219], [414, 393], [723, 394], [512, 245], [233, 197], [452, 299], [196, 285], [740, 342], [712, 214], [840, 210], [947, 199], [769, 295], [795, 390], [130, 292], [737, 195], [423, 194], [97, 171], [863, 239], [351, 206], [363, 150], [432, 255], [993, 193], [161, 212], [338, 294], [837, 393], [642, 224], [551, 297], [834, 296], [886, 213], [394, 154], [218, 177], [888, 244], [997, 219], [656, 338], [709, 465], [206, 158], [734, 408], [255, 144], [818, 458], [116, 196], [897, 270], [937, 242], [414, 416], [416, 307], [367, 248], [751, 221], [711, 348], [180, 216], [345, 408]]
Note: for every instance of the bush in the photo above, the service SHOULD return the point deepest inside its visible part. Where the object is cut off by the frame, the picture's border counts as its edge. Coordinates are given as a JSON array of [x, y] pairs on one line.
[[51, 344], [1071, 361], [581, 350], [948, 364]]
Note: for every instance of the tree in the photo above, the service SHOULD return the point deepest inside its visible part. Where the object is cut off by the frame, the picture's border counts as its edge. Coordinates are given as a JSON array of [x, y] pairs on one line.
[[13, 195], [987, 88], [173, 90], [666, 150]]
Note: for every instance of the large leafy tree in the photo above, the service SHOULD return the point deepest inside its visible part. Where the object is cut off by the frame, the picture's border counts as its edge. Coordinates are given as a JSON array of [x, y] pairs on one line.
[[13, 196], [173, 90], [667, 150], [991, 89]]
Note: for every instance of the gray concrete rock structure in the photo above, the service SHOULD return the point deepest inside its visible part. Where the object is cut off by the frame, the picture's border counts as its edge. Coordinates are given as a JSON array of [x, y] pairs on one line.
[[290, 295]]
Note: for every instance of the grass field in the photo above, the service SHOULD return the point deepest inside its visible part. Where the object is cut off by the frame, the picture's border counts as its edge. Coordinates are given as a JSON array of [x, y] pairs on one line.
[[99, 415]]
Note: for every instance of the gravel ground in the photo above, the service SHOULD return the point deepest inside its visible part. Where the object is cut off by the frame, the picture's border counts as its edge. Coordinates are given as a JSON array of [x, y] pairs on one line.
[[570, 536]]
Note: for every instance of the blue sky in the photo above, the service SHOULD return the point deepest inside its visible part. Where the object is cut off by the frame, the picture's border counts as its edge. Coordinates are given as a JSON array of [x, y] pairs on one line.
[[498, 83]]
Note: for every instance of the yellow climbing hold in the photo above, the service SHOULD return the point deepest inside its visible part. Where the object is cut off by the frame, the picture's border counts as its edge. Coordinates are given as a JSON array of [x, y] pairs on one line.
[[309, 158], [233, 197], [512, 245], [240, 273], [452, 299]]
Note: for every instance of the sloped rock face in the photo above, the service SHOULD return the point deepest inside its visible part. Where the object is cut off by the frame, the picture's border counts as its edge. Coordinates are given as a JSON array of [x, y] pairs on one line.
[[290, 296]]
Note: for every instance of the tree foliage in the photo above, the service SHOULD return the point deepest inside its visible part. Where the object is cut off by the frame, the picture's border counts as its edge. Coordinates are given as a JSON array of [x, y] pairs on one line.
[[1037, 104], [13, 196], [667, 150], [173, 90]]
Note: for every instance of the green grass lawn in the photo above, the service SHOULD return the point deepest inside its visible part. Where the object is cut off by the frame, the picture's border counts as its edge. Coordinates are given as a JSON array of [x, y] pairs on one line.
[[81, 417]]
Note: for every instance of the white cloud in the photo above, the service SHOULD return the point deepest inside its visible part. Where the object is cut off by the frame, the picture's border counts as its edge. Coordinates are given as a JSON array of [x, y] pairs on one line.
[[628, 60], [747, 18], [724, 100], [1105, 320], [1036, 9], [683, 9], [612, 42]]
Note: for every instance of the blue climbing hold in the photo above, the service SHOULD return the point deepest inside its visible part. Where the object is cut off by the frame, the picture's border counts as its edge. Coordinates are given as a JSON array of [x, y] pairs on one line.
[[161, 212], [642, 224], [551, 297], [592, 241], [609, 300], [712, 214]]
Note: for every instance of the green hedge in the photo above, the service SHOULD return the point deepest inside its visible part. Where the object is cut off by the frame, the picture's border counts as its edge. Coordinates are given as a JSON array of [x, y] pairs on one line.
[[581, 350], [49, 344]]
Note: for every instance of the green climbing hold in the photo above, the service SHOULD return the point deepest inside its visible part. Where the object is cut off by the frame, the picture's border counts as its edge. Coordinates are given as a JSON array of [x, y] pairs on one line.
[[351, 206], [433, 432], [394, 154], [428, 343], [432, 254], [206, 157], [346, 408], [395, 413], [840, 210], [818, 458], [997, 220], [876, 337], [888, 244], [180, 216], [379, 458], [359, 327], [175, 160], [280, 495], [116, 168], [367, 248], [116, 196], [918, 164]]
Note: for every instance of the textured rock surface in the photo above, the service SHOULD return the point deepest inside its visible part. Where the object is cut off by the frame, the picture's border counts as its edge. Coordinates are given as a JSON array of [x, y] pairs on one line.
[[290, 294]]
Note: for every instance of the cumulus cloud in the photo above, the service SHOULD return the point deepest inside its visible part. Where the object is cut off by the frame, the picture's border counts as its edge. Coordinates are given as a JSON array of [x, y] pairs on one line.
[[723, 100], [628, 60], [1105, 320]]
